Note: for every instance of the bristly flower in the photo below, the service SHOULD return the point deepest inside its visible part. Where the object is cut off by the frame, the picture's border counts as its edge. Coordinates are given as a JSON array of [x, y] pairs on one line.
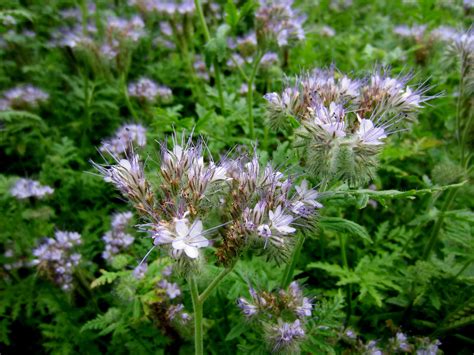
[[343, 122], [285, 336], [277, 22], [253, 204], [125, 137]]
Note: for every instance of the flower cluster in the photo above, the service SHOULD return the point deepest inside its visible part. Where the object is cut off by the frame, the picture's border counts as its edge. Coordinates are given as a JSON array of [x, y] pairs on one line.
[[282, 315], [119, 34], [165, 7], [277, 22], [416, 32], [124, 138], [175, 313], [248, 203], [147, 90], [344, 121], [26, 188], [55, 258], [117, 238], [21, 97]]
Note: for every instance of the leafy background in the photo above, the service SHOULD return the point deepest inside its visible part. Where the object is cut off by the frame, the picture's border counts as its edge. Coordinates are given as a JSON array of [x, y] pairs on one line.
[[391, 285]]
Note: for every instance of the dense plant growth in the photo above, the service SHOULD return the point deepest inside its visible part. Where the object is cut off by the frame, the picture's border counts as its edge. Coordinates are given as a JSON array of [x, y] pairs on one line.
[[236, 177]]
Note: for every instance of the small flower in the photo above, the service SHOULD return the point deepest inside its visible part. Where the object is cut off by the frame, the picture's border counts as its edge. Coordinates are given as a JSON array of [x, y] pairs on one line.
[[140, 271], [247, 308], [189, 239], [369, 134], [285, 336], [147, 90], [25, 188]]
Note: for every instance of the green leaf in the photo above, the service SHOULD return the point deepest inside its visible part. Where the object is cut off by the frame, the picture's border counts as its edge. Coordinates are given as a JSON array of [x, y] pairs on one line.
[[342, 225], [236, 331]]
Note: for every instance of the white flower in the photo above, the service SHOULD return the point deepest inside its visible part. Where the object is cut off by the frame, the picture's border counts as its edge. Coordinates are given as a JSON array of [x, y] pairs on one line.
[[280, 221], [369, 134], [189, 239], [307, 196]]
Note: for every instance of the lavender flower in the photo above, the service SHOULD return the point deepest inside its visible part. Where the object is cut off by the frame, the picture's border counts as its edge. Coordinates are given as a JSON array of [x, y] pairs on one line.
[[183, 238], [285, 336], [25, 188], [124, 138], [148, 91], [343, 121], [23, 96], [176, 313], [278, 22], [117, 239], [171, 289], [269, 59], [140, 271], [55, 257]]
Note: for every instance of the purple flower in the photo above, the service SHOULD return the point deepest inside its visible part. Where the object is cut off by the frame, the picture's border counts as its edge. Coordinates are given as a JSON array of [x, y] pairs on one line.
[[25, 188]]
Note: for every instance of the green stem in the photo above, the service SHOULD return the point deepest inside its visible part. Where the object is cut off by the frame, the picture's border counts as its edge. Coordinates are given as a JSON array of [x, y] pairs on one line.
[[290, 267], [438, 224], [250, 94], [342, 241], [197, 306], [207, 37], [205, 294], [123, 83], [220, 90]]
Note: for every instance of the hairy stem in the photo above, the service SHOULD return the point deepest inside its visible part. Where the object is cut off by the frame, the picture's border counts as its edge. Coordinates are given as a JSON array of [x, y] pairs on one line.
[[197, 307], [250, 82], [439, 223], [342, 243], [205, 294], [290, 267], [123, 84], [207, 37]]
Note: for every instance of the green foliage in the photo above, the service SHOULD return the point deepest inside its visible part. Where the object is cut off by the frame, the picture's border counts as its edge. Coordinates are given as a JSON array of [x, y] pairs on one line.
[[397, 255]]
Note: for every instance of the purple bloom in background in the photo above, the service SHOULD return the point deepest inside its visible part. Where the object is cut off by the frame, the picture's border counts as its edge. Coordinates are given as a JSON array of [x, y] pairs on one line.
[[55, 256], [117, 239], [125, 137], [23, 96], [147, 90], [25, 188]]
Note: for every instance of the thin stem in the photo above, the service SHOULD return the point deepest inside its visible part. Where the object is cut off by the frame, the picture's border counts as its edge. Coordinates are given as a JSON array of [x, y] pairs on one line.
[[207, 37], [123, 83], [342, 242], [220, 90], [438, 224], [197, 307], [205, 294], [290, 267], [202, 19], [250, 94]]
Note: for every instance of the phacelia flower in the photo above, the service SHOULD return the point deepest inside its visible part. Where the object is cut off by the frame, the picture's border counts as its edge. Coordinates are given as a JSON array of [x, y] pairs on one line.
[[25, 188], [55, 257], [148, 91], [125, 137]]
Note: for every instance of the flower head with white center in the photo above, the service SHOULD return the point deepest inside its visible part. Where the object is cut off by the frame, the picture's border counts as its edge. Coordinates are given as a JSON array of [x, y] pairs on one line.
[[369, 134], [188, 238]]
